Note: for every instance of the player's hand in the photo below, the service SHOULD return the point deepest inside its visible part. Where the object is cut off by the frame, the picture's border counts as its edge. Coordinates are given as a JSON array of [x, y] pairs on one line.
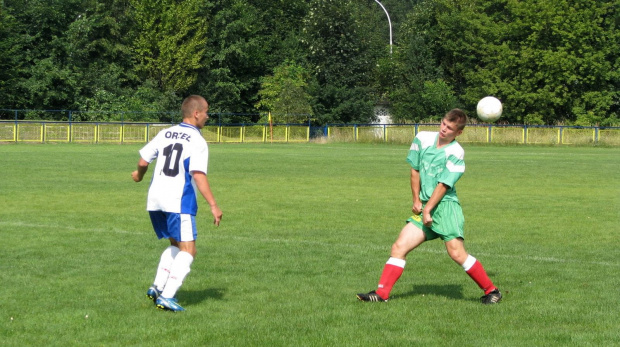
[[217, 215], [427, 220], [417, 207], [136, 176]]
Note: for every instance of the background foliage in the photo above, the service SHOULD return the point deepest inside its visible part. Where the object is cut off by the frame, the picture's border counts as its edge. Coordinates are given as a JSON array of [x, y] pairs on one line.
[[549, 62]]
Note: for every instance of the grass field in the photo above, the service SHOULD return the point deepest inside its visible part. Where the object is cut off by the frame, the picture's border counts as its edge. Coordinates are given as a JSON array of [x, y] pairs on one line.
[[305, 227]]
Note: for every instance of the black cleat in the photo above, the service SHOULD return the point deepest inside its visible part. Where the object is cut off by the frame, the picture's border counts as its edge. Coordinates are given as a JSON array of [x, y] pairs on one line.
[[492, 298], [372, 296]]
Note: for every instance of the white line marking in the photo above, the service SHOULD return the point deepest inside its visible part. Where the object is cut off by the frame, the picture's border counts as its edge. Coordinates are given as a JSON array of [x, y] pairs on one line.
[[65, 227]]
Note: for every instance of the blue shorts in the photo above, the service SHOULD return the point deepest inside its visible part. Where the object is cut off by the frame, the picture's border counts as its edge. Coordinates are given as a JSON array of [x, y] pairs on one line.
[[181, 227]]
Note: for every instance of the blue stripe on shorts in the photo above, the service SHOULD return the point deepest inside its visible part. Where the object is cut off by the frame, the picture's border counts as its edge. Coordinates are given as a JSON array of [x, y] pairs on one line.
[[181, 227]]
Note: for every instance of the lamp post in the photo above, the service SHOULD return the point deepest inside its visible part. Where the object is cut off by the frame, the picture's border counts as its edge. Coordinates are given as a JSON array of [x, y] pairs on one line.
[[389, 22]]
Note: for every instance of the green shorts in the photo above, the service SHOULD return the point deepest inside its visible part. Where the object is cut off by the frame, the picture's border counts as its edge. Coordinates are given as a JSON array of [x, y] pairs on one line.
[[448, 222]]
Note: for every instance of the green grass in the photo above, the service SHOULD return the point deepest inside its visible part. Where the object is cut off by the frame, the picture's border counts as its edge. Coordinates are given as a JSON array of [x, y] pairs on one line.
[[305, 227]]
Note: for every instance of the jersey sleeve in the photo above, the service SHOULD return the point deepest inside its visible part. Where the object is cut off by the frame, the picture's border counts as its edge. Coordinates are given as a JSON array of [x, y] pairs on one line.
[[150, 151], [413, 158], [199, 160]]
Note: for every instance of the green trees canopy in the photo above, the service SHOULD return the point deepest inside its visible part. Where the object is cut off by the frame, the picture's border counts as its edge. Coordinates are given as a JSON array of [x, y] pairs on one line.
[[549, 62]]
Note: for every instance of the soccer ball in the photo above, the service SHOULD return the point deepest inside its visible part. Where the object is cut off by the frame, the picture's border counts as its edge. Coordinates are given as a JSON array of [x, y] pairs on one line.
[[489, 109]]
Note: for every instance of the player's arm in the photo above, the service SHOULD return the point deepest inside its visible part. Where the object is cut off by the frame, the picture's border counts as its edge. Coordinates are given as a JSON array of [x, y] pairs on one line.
[[438, 194], [202, 183], [415, 191], [138, 174]]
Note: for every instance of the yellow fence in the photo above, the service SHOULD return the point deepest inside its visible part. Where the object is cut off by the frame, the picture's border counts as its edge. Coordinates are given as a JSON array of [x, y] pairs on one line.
[[504, 134], [29, 131], [41, 132]]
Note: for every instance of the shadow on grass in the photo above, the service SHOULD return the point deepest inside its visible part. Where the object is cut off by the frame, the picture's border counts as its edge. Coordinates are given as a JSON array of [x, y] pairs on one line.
[[451, 291], [197, 296]]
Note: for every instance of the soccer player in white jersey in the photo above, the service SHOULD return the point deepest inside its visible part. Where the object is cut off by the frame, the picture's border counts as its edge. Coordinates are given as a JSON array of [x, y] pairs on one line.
[[180, 174], [437, 163]]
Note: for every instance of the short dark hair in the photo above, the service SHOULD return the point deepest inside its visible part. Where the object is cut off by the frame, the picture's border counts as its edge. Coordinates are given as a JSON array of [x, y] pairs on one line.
[[190, 104], [457, 116]]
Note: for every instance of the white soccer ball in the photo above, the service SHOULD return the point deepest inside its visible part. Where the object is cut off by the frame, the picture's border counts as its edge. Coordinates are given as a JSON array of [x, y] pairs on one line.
[[489, 109]]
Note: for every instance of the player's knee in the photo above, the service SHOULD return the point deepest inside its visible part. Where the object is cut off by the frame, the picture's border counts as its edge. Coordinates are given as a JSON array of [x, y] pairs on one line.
[[458, 255], [399, 249], [192, 252]]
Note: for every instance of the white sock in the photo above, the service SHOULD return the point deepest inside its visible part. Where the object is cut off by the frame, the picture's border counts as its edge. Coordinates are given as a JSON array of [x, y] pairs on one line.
[[469, 262], [179, 269], [163, 269], [397, 262]]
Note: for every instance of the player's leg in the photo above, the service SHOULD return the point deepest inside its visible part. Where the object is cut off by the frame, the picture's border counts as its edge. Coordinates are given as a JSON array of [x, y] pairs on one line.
[[410, 237], [185, 236], [474, 269], [163, 272], [159, 221]]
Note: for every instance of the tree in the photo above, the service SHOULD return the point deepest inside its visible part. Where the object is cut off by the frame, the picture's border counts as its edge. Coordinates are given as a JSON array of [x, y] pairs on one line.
[[41, 78], [559, 62], [169, 42], [246, 42], [341, 59], [422, 90], [284, 93], [10, 62], [99, 54], [548, 62], [236, 58]]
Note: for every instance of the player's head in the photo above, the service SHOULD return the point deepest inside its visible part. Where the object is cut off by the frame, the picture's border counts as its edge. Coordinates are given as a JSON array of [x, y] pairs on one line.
[[194, 109], [458, 117], [452, 125]]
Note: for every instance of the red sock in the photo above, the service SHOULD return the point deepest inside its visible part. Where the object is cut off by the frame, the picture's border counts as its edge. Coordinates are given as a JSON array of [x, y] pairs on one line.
[[391, 273], [477, 273]]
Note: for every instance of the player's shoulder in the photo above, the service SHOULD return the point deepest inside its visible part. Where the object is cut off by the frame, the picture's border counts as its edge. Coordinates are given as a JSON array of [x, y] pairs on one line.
[[165, 132], [455, 149], [426, 138]]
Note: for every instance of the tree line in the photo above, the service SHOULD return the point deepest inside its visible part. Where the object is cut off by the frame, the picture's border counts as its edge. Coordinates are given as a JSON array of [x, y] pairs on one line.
[[550, 62]]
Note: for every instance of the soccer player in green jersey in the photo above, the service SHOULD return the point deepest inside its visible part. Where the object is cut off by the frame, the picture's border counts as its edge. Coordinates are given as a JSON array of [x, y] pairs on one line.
[[437, 163]]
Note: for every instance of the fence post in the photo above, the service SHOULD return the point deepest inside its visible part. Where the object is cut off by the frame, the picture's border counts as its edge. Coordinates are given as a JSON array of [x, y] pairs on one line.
[[15, 127], [288, 132], [122, 127], [596, 129], [70, 126], [384, 133]]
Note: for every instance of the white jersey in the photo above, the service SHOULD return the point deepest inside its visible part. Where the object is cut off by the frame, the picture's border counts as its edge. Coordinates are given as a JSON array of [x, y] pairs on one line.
[[179, 150]]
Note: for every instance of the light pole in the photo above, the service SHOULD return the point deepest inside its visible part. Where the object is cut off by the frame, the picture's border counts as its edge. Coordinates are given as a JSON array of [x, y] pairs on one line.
[[389, 22]]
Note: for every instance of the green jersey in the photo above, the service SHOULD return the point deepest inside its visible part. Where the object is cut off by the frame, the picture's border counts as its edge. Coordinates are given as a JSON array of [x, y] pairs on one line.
[[436, 165]]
